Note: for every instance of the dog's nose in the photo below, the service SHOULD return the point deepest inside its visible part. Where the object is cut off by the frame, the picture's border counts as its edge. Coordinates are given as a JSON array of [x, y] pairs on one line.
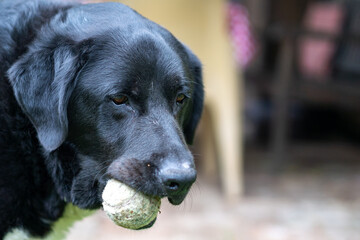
[[177, 181]]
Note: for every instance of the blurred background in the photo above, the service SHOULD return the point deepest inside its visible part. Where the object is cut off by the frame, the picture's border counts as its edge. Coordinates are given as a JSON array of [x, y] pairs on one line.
[[278, 147]]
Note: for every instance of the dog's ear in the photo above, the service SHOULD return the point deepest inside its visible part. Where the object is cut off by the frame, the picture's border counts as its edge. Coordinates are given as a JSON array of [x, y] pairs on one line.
[[43, 80], [197, 99]]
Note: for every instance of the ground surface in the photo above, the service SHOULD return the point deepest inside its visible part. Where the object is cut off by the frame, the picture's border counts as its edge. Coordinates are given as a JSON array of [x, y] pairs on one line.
[[289, 206]]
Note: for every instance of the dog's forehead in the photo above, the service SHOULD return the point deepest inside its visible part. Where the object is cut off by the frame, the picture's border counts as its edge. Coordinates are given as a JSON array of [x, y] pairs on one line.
[[136, 65]]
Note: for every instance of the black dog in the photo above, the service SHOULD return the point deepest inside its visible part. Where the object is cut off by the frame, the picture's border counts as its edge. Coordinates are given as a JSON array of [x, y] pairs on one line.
[[88, 93]]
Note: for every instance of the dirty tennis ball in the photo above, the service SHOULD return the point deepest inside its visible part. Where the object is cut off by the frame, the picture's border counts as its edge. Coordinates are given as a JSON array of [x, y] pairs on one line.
[[128, 208]]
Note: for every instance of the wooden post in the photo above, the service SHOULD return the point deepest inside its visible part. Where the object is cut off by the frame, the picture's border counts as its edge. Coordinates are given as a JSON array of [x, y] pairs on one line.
[[281, 104]]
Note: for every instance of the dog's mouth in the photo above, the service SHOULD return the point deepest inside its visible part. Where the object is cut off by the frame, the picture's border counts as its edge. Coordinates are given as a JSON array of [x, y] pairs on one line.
[[176, 200], [148, 226], [173, 199]]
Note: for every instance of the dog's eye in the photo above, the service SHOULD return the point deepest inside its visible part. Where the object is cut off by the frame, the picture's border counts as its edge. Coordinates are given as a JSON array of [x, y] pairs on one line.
[[120, 100], [180, 99]]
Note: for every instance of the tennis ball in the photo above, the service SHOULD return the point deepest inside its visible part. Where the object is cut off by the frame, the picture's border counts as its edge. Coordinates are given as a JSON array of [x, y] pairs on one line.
[[128, 208]]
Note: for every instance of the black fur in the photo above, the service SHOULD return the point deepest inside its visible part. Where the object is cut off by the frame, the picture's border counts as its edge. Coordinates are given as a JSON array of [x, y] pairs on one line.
[[61, 134]]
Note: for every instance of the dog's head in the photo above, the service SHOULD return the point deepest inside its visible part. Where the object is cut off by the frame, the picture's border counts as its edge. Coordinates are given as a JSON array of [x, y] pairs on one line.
[[119, 104]]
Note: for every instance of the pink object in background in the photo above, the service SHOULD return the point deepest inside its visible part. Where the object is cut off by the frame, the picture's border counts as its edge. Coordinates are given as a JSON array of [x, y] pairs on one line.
[[316, 54], [241, 35], [324, 17], [315, 57]]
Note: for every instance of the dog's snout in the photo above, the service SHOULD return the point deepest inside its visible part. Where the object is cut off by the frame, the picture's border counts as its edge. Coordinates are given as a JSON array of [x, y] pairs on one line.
[[177, 181]]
